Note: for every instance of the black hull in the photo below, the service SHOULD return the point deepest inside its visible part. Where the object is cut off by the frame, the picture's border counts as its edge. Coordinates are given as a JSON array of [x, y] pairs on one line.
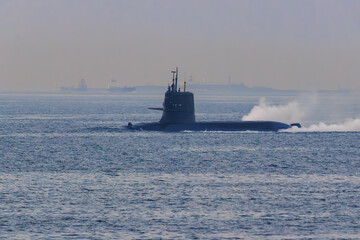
[[179, 115], [212, 126]]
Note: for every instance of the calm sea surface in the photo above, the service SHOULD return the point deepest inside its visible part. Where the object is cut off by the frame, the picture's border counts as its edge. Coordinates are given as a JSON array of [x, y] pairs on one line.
[[68, 170]]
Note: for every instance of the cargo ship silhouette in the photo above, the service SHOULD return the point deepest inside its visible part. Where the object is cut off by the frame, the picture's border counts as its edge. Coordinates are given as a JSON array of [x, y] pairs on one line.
[[115, 88]]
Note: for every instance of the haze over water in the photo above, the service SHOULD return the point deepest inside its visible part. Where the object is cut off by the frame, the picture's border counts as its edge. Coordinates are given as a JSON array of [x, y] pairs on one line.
[[281, 44]]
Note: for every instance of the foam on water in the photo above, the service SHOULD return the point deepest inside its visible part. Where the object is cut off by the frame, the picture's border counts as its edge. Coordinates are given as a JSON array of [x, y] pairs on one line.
[[296, 112], [290, 112], [349, 125]]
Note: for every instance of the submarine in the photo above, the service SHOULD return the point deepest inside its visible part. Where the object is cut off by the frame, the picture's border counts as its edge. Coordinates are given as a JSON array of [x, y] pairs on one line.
[[178, 114]]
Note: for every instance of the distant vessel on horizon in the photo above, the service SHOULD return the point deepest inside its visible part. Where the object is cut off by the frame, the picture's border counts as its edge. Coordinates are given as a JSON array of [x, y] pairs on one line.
[[78, 86], [114, 87]]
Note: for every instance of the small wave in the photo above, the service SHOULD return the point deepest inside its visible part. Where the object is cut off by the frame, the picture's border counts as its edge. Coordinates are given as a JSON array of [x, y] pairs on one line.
[[227, 132], [105, 129], [37, 117]]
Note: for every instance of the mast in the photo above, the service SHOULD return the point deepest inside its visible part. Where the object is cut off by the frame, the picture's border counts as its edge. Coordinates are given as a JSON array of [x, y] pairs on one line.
[[176, 79], [173, 87]]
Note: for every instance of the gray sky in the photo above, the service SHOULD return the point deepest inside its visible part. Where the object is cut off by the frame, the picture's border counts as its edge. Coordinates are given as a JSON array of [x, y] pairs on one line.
[[305, 44]]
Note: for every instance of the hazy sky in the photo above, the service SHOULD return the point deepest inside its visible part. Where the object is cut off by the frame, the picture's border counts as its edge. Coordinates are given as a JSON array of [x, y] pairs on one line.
[[290, 44]]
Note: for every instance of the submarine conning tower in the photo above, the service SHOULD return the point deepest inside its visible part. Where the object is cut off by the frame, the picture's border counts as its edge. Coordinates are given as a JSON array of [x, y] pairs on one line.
[[178, 107]]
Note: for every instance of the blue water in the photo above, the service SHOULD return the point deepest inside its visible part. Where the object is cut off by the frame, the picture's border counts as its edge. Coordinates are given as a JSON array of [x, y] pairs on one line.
[[68, 170]]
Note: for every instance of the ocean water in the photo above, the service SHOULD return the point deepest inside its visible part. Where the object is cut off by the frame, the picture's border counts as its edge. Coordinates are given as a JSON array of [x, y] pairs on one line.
[[68, 170]]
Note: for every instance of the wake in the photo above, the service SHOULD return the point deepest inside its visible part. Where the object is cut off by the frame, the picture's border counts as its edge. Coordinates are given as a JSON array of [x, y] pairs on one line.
[[349, 125], [295, 112]]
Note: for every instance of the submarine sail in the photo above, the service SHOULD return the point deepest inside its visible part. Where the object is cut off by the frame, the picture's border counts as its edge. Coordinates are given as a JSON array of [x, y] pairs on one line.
[[178, 107]]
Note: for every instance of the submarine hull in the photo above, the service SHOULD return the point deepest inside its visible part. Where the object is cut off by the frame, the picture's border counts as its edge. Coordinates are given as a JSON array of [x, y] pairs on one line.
[[212, 126], [179, 115]]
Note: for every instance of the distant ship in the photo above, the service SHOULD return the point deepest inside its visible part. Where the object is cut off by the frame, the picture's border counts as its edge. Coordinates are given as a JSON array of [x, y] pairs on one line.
[[114, 87], [78, 86]]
